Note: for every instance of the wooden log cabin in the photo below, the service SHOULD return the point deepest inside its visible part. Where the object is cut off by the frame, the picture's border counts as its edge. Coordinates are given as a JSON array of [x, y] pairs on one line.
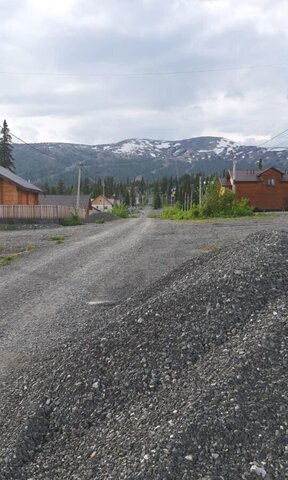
[[266, 189], [14, 190]]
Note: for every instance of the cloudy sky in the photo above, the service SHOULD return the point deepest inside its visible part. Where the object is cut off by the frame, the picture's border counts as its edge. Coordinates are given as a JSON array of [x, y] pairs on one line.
[[99, 71]]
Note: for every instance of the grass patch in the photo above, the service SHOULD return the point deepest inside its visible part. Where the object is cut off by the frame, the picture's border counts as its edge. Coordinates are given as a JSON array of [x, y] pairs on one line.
[[120, 211], [8, 226], [209, 248], [100, 222], [6, 259], [134, 215], [152, 215], [57, 239], [72, 221]]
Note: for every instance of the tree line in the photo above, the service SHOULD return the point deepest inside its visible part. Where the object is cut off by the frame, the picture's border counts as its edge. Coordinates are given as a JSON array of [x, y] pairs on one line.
[[183, 191], [166, 191]]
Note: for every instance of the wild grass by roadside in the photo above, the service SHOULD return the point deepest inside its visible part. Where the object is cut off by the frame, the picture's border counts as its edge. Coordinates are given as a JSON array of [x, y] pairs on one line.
[[10, 257], [57, 239], [213, 205], [8, 226], [152, 215], [120, 211], [72, 221], [231, 220], [6, 259]]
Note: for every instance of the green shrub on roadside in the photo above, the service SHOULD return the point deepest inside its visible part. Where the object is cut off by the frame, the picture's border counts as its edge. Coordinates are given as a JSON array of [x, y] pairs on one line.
[[242, 208], [213, 206], [120, 211], [72, 221]]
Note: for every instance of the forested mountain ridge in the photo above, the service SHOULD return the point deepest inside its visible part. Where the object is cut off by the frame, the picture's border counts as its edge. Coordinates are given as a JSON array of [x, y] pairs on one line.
[[129, 158]]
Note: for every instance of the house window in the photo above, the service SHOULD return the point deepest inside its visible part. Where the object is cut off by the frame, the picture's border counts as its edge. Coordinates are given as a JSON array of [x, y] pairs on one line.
[[271, 182]]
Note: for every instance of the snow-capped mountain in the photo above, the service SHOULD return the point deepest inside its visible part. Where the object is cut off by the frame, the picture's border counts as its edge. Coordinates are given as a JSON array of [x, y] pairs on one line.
[[160, 148], [129, 158]]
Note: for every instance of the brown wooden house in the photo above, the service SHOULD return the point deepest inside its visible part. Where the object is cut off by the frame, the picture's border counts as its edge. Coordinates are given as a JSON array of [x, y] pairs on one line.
[[15, 190], [265, 189]]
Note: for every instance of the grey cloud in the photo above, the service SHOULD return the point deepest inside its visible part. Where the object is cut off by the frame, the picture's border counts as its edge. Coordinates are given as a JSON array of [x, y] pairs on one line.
[[147, 36]]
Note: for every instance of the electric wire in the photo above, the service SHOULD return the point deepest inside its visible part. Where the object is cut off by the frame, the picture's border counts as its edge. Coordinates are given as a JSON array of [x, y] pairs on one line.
[[32, 147], [145, 74], [272, 138]]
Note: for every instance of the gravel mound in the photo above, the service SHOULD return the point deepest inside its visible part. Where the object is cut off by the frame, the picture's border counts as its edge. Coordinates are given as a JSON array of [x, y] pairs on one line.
[[186, 381]]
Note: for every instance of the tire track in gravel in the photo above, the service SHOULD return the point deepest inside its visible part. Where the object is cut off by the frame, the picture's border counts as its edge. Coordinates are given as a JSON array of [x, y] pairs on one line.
[[51, 289]]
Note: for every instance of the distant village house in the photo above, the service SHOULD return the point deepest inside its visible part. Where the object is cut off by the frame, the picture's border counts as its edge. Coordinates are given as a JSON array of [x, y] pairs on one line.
[[104, 204], [266, 189]]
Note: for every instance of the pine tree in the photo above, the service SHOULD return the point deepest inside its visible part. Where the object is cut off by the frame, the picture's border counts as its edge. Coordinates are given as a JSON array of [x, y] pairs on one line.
[[60, 187], [6, 159], [156, 197], [260, 164]]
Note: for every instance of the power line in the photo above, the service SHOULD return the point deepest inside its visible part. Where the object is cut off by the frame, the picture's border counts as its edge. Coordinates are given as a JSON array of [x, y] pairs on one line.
[[272, 138], [32, 147], [145, 74]]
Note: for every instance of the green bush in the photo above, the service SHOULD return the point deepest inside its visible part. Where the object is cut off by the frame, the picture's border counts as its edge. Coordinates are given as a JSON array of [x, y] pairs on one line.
[[242, 208], [120, 211], [72, 221], [213, 206], [170, 213]]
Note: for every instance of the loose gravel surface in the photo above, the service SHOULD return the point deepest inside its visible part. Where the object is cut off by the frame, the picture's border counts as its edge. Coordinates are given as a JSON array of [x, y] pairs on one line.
[[185, 377]]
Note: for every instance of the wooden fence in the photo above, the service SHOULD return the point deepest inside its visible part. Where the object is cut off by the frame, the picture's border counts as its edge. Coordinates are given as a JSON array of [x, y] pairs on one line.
[[38, 212]]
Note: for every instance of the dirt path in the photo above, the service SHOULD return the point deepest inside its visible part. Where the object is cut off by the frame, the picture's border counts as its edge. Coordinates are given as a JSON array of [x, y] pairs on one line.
[[48, 295]]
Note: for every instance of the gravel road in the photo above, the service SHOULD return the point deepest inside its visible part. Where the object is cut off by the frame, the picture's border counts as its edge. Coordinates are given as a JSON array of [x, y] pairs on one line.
[[51, 297], [45, 294]]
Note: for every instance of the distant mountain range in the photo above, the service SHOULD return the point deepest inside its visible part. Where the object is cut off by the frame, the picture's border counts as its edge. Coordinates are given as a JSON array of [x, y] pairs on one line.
[[50, 162]]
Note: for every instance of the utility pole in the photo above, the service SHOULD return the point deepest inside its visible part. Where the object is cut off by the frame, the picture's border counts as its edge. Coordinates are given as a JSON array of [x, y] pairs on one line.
[[200, 190], [103, 192], [78, 186]]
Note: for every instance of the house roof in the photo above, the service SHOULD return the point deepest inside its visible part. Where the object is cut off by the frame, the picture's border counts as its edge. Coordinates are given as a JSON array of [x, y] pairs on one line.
[[271, 168], [95, 200], [64, 200], [250, 175], [20, 182]]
